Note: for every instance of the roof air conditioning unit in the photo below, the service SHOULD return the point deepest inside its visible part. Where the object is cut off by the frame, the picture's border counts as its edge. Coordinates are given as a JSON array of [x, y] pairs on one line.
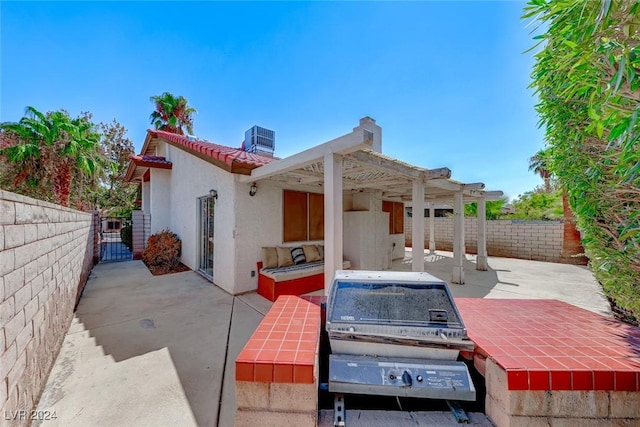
[[259, 140]]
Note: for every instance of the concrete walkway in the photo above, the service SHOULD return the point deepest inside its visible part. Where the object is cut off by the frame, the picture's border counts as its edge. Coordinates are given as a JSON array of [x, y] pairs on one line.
[[148, 350]]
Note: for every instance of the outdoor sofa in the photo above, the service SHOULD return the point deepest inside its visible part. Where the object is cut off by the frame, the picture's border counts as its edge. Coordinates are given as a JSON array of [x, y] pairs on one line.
[[291, 270]]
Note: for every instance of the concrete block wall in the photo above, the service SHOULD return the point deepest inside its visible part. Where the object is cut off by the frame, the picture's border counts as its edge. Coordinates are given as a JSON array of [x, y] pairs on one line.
[[534, 240], [557, 407], [46, 255], [276, 404]]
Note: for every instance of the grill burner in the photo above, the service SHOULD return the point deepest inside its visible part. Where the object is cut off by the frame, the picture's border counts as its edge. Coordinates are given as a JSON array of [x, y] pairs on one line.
[[396, 334]]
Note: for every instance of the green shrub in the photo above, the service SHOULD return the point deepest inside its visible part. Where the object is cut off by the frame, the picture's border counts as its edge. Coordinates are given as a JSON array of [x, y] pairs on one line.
[[586, 78], [126, 235], [163, 251]]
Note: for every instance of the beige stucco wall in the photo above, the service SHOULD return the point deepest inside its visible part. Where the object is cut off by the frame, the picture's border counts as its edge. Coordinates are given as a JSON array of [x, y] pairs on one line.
[[258, 224], [189, 179], [160, 199]]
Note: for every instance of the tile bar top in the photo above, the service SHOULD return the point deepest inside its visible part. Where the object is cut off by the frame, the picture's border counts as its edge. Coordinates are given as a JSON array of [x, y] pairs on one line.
[[552, 345], [284, 347]]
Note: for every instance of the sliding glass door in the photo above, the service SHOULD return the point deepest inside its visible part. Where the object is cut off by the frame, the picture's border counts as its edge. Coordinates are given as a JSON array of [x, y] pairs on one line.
[[206, 215]]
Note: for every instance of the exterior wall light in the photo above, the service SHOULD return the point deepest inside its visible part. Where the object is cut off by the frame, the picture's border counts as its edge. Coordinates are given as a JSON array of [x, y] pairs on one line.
[[213, 194], [253, 190]]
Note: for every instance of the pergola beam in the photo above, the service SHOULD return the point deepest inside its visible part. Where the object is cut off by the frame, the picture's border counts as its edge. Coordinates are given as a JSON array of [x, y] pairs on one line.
[[493, 195], [473, 186], [438, 173], [444, 184]]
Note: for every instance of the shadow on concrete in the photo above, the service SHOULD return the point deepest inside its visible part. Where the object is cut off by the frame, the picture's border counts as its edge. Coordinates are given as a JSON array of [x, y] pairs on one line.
[[168, 336], [160, 350], [516, 278], [478, 284]]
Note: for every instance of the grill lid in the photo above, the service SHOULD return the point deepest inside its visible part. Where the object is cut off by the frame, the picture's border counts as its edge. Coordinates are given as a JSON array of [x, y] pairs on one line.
[[397, 308]]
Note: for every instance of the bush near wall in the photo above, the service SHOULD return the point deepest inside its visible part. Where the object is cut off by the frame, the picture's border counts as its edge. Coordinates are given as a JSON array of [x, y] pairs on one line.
[[587, 77], [162, 253]]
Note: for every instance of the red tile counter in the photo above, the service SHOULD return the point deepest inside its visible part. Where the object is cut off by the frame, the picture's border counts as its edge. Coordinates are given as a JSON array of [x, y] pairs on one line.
[[549, 362], [277, 370], [544, 360], [552, 345]]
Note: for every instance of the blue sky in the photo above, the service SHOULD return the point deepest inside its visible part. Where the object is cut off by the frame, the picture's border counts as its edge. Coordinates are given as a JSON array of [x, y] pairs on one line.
[[447, 81]]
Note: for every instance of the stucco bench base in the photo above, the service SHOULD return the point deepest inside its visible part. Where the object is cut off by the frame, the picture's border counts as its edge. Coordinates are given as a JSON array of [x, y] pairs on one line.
[[309, 277]]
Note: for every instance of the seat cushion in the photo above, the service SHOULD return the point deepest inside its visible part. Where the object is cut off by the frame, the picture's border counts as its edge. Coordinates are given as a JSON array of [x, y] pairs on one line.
[[292, 272]]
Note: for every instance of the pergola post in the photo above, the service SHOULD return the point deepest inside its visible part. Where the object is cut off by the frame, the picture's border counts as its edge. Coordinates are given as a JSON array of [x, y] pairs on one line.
[[458, 239], [481, 260], [333, 212], [432, 228], [417, 226]]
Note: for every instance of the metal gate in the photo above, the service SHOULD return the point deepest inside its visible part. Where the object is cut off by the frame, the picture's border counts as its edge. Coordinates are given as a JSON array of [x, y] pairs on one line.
[[115, 239]]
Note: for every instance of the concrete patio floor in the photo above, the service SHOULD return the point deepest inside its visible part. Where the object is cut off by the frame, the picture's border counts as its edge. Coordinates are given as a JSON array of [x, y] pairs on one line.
[[147, 350], [517, 278]]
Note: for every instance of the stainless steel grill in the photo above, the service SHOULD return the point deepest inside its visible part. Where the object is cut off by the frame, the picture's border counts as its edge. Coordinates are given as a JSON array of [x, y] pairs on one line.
[[396, 334]]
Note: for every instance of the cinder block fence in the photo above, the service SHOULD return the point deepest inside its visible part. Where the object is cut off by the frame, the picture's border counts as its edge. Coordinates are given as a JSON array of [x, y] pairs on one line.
[[46, 255], [534, 240]]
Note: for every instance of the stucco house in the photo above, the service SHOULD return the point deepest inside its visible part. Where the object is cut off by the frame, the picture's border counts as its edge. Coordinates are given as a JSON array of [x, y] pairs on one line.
[[226, 204]]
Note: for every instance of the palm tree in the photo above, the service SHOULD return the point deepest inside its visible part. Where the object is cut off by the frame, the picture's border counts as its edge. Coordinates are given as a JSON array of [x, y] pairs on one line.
[[538, 163], [52, 148], [28, 137], [77, 153], [571, 244], [172, 114]]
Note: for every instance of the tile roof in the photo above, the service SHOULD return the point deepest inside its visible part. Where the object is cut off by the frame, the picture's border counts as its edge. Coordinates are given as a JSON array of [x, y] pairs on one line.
[[151, 161], [237, 159]]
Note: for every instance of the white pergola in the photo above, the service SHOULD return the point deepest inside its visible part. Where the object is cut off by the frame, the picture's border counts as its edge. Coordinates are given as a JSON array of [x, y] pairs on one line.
[[353, 162]]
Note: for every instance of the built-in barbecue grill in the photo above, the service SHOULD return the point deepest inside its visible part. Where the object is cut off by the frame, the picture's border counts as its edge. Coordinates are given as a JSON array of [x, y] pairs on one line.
[[396, 334]]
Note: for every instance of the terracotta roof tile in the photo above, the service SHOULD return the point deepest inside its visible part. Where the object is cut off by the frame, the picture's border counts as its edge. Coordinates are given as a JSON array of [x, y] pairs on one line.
[[151, 161], [233, 157]]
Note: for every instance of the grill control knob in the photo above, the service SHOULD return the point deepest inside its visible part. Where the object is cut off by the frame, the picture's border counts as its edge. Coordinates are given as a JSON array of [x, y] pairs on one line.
[[392, 377], [419, 378], [406, 378]]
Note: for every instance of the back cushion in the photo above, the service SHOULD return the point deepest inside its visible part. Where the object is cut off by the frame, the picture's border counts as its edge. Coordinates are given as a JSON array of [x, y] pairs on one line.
[[311, 253], [269, 257], [284, 256], [297, 254]]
